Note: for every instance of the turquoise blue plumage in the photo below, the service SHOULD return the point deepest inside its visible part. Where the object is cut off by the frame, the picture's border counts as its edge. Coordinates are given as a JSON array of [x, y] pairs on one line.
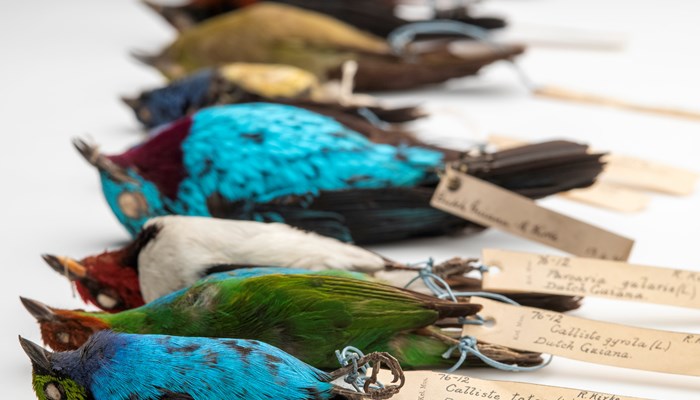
[[150, 367], [279, 163], [244, 273], [272, 162]]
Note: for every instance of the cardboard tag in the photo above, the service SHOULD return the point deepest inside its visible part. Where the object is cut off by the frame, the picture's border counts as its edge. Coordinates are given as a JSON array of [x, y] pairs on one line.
[[487, 204], [427, 385], [649, 175], [537, 330], [611, 196], [526, 272]]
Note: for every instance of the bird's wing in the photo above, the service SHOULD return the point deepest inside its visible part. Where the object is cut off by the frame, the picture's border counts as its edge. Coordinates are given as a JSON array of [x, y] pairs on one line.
[[367, 303], [267, 152], [388, 214], [258, 34], [310, 29]]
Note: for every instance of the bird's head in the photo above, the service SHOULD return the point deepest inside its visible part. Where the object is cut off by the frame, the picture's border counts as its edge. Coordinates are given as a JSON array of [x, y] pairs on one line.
[[132, 198], [63, 330], [51, 383], [108, 280], [164, 105]]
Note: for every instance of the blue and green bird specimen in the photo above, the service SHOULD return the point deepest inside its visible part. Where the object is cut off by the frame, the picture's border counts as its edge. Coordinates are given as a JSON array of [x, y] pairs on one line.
[[308, 316], [279, 163], [120, 366]]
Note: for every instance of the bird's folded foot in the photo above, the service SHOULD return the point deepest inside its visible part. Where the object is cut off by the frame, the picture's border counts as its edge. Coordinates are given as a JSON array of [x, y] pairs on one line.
[[370, 391]]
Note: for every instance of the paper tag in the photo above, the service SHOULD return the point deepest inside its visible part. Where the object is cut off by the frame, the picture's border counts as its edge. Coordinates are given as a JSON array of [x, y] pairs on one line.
[[537, 330], [526, 272], [427, 385], [650, 175], [506, 142], [610, 196], [487, 204]]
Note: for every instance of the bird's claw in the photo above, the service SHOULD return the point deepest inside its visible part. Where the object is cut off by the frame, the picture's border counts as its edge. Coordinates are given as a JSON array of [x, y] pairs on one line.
[[377, 359]]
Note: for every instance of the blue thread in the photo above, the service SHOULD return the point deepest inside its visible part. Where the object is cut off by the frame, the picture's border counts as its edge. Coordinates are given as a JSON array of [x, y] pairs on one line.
[[245, 273], [468, 345], [426, 274], [373, 119], [400, 37], [358, 376]]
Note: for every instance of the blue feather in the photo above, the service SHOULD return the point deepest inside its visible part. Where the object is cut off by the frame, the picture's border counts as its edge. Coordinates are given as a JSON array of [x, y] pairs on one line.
[[118, 366], [295, 152], [244, 273], [256, 156], [174, 101]]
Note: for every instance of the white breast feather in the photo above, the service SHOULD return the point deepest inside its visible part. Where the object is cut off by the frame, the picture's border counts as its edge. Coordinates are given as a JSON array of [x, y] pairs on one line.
[[186, 246]]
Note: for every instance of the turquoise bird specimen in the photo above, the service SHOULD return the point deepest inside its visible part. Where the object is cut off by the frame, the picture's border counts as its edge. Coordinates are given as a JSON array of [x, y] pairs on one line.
[[271, 33], [308, 316], [374, 16], [246, 83], [119, 366], [278, 163], [173, 252]]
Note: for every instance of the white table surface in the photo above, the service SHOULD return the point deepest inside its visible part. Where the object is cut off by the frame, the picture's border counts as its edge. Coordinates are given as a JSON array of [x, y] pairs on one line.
[[65, 63]]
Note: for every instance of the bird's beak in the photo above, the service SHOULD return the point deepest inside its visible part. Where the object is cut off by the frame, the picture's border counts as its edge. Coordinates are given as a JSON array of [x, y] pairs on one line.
[[93, 156], [36, 353], [40, 311], [72, 269], [134, 104]]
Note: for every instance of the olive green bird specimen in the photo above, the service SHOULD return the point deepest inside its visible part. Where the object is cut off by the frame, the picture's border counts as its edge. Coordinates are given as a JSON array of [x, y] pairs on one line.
[[280, 34], [308, 316]]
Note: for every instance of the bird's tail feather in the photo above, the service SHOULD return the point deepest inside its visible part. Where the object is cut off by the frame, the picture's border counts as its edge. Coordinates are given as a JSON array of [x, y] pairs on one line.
[[538, 170]]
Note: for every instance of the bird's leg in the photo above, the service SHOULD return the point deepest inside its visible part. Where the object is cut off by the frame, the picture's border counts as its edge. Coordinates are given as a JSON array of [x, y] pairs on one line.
[[495, 352], [455, 266], [369, 393], [437, 335]]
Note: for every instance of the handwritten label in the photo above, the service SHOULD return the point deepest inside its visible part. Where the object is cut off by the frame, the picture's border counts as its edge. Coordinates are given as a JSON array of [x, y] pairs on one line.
[[650, 175], [526, 272], [533, 329], [490, 205], [611, 196], [427, 385]]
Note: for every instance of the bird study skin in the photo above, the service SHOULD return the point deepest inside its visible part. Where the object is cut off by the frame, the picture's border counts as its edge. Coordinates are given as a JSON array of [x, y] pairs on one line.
[[375, 16], [246, 83], [308, 316], [122, 366], [279, 163], [272, 33], [173, 252]]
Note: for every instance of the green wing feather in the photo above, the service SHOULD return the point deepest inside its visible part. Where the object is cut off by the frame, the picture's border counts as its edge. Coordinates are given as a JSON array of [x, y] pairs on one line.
[[308, 316]]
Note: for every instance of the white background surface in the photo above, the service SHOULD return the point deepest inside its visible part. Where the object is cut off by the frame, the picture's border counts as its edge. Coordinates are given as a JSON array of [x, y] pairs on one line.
[[64, 64]]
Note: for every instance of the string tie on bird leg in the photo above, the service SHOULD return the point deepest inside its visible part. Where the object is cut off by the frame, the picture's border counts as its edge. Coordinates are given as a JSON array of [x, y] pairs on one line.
[[468, 346], [401, 37], [355, 366], [372, 118], [442, 290]]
